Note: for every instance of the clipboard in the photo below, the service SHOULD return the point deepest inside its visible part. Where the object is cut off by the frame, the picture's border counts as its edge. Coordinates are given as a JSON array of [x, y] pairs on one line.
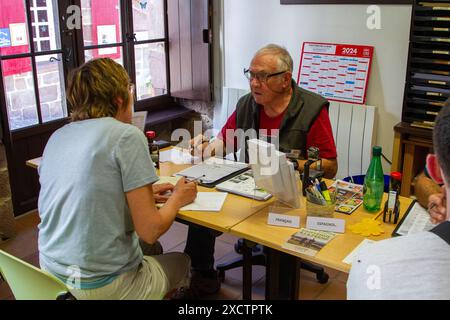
[[215, 183], [210, 173], [416, 218]]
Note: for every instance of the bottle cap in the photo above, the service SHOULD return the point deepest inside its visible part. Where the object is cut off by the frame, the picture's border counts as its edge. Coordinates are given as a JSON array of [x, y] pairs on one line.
[[150, 134], [376, 151], [396, 176]]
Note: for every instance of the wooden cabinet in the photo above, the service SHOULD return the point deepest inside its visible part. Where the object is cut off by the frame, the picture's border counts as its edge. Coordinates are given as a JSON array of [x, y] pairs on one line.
[[428, 76], [427, 88], [411, 146]]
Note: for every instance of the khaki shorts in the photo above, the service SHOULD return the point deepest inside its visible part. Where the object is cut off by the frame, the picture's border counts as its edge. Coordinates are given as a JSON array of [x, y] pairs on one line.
[[151, 280]]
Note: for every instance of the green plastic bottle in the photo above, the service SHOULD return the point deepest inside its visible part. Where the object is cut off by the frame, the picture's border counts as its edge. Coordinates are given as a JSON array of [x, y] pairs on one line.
[[374, 183]]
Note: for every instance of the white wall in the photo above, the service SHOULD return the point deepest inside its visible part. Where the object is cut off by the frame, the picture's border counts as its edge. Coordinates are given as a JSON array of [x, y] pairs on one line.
[[250, 24]]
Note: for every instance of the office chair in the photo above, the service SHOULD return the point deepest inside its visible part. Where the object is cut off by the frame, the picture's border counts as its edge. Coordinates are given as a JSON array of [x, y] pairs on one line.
[[30, 283], [259, 259]]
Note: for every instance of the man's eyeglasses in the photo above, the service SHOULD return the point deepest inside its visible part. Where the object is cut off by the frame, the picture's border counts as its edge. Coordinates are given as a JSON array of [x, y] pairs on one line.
[[260, 76]]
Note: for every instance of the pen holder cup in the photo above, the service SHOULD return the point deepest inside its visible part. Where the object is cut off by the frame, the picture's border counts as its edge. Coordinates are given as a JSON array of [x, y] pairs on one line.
[[318, 210]]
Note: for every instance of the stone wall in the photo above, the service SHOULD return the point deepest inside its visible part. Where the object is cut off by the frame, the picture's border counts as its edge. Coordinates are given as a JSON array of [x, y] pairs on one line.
[[203, 112], [20, 97], [204, 109], [7, 221]]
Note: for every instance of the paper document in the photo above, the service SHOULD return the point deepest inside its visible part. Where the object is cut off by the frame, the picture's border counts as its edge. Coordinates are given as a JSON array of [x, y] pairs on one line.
[[212, 169], [416, 220], [349, 259], [207, 201], [177, 156], [138, 119]]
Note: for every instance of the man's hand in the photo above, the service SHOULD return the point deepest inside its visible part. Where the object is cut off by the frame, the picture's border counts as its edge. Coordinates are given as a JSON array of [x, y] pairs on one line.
[[162, 192], [198, 144], [437, 207], [205, 148]]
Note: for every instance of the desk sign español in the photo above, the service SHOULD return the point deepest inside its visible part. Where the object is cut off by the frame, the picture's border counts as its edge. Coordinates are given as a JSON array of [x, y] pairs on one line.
[[326, 224]]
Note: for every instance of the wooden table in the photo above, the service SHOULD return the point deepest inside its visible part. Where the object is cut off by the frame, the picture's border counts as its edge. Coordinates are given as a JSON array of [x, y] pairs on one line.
[[235, 209], [247, 218], [256, 229]]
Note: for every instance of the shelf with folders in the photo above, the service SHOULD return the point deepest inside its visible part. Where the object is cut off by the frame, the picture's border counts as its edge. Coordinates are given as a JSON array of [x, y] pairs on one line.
[[428, 77]]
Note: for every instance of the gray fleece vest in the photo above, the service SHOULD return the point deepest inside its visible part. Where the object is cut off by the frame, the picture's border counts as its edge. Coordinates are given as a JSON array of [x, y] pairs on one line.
[[302, 111]]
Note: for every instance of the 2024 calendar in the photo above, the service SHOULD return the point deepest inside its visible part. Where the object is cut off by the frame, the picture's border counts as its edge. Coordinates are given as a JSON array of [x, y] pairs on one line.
[[338, 72]]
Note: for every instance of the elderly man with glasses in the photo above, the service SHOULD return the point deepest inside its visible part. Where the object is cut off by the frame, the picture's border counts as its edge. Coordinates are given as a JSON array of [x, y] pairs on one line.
[[296, 118]]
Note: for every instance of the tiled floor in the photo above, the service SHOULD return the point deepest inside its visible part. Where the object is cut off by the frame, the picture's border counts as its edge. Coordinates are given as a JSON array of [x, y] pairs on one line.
[[24, 246]]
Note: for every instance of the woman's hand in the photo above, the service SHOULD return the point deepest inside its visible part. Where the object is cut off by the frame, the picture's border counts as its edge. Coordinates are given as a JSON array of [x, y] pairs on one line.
[[162, 192], [184, 193]]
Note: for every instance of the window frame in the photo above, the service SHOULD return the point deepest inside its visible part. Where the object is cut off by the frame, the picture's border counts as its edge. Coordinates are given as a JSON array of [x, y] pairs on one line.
[[72, 50], [67, 64], [128, 44]]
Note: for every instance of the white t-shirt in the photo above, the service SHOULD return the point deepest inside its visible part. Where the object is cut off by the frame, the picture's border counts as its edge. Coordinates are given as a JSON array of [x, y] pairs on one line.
[[413, 267]]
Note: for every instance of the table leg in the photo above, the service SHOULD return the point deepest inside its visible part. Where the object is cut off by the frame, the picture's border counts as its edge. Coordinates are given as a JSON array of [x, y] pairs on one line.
[[282, 276], [247, 270]]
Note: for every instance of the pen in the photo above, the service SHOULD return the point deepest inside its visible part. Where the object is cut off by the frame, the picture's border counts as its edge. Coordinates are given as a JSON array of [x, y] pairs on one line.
[[325, 192], [317, 185]]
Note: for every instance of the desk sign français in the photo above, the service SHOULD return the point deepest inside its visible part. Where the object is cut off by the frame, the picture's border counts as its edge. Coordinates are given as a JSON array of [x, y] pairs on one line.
[[326, 224], [283, 220]]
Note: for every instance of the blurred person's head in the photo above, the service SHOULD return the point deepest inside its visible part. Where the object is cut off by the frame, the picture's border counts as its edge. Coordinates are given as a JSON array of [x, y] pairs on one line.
[[100, 88], [438, 164]]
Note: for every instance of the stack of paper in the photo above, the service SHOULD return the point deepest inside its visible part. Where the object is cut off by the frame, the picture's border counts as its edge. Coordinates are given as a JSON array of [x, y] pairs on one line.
[[207, 201]]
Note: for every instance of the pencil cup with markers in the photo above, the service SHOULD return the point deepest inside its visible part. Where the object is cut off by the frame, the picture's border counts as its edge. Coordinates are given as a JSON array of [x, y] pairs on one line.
[[320, 203]]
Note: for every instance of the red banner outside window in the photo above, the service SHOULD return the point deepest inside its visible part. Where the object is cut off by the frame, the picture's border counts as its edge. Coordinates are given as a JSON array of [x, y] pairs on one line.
[[13, 36]]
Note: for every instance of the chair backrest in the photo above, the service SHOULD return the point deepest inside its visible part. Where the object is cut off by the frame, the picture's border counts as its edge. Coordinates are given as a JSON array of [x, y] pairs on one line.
[[28, 282], [353, 130]]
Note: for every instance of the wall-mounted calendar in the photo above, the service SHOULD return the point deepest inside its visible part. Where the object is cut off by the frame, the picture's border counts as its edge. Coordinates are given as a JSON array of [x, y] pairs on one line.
[[338, 72]]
